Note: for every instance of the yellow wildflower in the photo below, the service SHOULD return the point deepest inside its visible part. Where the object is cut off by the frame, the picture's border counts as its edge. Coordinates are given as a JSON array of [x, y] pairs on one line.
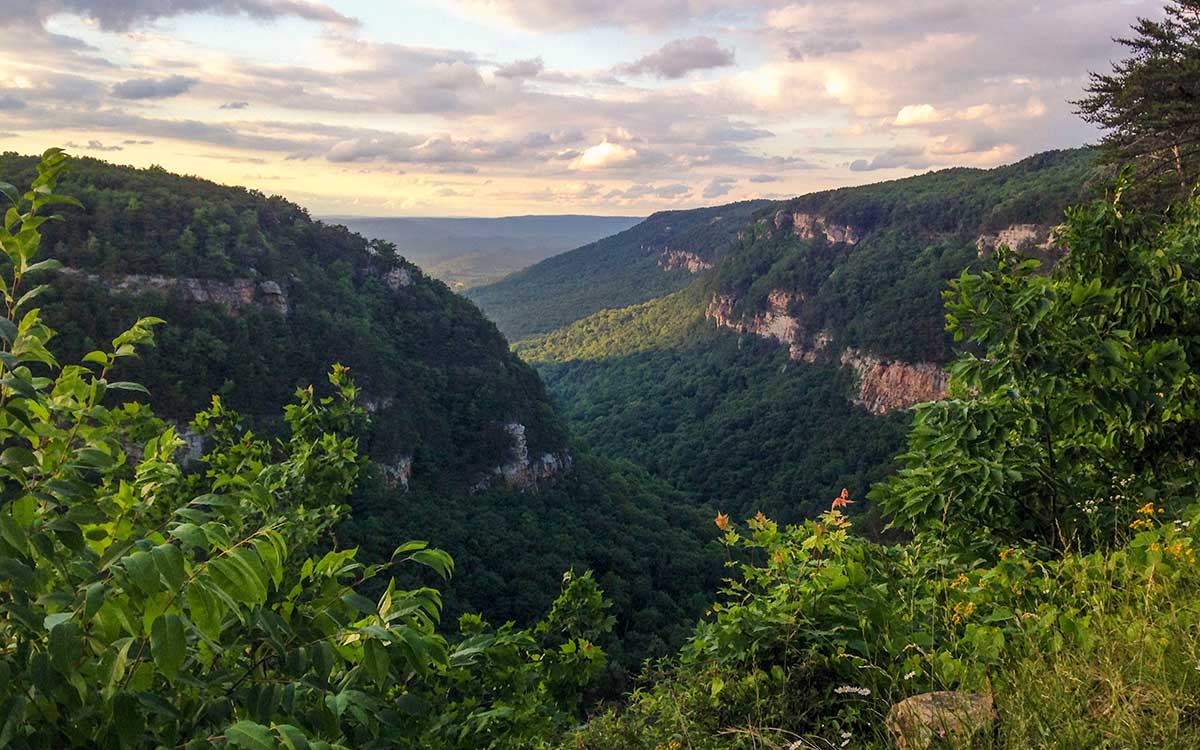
[[962, 611]]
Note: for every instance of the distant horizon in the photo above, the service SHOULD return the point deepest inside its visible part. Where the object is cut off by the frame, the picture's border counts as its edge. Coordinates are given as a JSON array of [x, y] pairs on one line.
[[327, 217]]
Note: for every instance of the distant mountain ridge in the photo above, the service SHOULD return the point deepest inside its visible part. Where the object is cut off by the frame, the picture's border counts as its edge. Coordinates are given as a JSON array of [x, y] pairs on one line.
[[653, 258], [780, 369], [467, 252]]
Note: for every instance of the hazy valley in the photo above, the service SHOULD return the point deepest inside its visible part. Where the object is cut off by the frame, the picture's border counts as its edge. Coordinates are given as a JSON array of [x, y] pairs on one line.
[[467, 253]]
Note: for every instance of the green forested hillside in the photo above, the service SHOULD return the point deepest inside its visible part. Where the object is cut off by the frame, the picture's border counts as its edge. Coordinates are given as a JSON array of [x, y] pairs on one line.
[[728, 419], [439, 381], [614, 272], [882, 293]]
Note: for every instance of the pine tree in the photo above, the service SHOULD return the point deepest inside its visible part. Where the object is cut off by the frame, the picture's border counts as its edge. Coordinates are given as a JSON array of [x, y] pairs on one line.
[[1150, 104]]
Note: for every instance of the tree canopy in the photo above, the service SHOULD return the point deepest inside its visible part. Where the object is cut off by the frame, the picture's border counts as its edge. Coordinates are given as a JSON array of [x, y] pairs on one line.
[[1149, 104]]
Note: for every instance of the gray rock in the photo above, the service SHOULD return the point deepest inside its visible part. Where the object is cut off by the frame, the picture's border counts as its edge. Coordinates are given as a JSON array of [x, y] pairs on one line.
[[943, 717]]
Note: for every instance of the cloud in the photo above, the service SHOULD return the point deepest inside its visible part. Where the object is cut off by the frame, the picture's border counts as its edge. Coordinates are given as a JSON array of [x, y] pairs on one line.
[[9, 102], [672, 191], [764, 178], [153, 88], [719, 186], [804, 46], [235, 105], [917, 114], [454, 75], [911, 157], [560, 15], [93, 145], [132, 142], [604, 155], [677, 58], [521, 68], [122, 15]]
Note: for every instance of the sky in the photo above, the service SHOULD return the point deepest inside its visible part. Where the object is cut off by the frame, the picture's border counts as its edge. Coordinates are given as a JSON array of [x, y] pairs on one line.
[[508, 107]]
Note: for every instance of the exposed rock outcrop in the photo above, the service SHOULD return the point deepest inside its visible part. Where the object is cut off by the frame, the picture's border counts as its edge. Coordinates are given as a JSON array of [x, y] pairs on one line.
[[884, 385], [808, 226], [273, 296], [801, 351], [887, 385], [397, 473], [1030, 239], [522, 472], [670, 260], [398, 277], [376, 404], [235, 295], [776, 322], [941, 719]]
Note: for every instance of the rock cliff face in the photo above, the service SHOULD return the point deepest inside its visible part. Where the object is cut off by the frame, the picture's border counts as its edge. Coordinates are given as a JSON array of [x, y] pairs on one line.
[[808, 226], [397, 473], [1036, 239], [887, 385], [234, 295], [884, 385], [670, 260], [775, 323], [398, 277], [521, 472]]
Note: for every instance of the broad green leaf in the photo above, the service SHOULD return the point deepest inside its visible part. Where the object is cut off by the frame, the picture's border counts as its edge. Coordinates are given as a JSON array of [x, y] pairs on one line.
[[168, 644], [248, 735]]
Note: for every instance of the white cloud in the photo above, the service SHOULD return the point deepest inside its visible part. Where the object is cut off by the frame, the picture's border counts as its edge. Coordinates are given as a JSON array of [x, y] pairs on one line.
[[604, 155], [916, 114]]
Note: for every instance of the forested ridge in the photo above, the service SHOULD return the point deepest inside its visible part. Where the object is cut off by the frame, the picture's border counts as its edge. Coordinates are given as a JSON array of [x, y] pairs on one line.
[[439, 381], [731, 417]]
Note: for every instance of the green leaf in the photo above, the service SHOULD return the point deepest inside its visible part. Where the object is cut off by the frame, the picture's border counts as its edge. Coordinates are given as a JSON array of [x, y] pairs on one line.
[[436, 559], [52, 621], [122, 385], [376, 661], [13, 711], [169, 561], [10, 192], [292, 738], [66, 647], [112, 667], [250, 735], [205, 610], [142, 570], [94, 599], [168, 644]]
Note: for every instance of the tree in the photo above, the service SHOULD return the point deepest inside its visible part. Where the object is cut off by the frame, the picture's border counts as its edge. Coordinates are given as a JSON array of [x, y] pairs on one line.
[[145, 605], [1150, 104], [1078, 400]]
